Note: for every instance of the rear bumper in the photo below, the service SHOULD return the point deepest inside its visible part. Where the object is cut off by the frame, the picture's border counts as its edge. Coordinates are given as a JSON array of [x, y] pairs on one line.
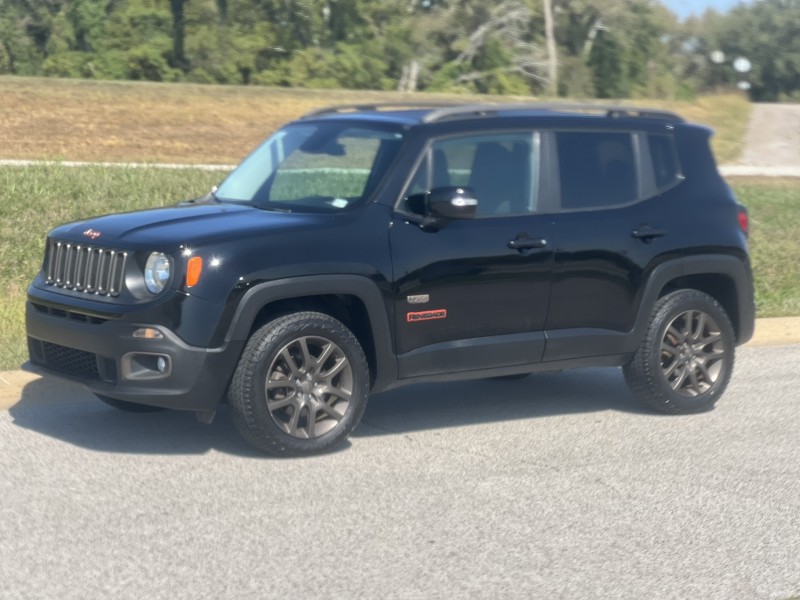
[[105, 356]]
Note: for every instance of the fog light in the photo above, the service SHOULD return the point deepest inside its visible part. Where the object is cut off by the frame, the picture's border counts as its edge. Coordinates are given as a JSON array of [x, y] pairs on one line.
[[144, 365]]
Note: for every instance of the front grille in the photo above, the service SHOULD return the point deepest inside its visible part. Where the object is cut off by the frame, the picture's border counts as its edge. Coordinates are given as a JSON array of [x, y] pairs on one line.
[[87, 269]]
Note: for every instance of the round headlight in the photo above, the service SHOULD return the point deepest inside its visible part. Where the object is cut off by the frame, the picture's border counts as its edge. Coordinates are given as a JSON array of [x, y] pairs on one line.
[[156, 272]]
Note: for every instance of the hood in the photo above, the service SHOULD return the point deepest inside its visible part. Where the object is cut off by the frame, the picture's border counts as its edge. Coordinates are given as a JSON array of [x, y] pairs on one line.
[[169, 227]]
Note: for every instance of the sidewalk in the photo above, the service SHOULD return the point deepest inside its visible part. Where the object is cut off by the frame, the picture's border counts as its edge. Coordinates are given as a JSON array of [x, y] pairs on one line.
[[769, 332]]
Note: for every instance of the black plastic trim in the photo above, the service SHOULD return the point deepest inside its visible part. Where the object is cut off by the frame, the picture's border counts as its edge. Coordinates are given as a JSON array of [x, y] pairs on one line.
[[460, 356], [362, 288]]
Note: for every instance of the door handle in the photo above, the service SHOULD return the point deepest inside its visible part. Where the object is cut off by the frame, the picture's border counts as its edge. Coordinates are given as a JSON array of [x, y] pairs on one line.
[[526, 243], [647, 233]]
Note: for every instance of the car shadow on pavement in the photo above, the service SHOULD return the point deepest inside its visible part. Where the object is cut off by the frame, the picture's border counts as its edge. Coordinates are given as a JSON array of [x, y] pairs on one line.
[[70, 413], [442, 405]]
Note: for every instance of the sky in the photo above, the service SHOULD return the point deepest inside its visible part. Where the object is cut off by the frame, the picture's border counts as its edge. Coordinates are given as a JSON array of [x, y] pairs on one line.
[[686, 8]]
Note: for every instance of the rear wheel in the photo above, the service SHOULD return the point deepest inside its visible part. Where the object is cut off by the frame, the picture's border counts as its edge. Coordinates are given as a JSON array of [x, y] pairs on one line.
[[301, 385], [685, 360]]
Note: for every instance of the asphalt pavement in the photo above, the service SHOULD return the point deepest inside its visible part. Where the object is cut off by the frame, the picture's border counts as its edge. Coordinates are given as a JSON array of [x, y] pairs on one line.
[[555, 486]]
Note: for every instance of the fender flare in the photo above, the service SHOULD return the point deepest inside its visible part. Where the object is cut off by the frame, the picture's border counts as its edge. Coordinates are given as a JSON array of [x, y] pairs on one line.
[[361, 287], [710, 264]]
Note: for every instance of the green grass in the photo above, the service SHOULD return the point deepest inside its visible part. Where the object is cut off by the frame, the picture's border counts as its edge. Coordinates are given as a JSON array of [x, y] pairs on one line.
[[774, 207], [35, 199]]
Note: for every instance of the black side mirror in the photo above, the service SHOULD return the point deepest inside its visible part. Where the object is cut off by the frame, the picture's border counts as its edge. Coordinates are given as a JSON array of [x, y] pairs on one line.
[[452, 202], [443, 204]]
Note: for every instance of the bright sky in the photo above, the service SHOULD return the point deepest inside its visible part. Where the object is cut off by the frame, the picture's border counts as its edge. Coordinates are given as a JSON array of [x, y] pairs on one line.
[[685, 8]]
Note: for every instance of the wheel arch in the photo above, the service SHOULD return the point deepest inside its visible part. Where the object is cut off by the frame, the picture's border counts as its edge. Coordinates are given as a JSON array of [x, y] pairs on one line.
[[725, 278], [354, 300]]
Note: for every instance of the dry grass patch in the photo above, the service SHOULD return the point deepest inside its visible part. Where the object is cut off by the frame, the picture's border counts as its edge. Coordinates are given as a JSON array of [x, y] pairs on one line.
[[185, 123]]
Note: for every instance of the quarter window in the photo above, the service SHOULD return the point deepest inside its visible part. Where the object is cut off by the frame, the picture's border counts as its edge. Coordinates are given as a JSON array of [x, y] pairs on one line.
[[597, 169], [665, 163]]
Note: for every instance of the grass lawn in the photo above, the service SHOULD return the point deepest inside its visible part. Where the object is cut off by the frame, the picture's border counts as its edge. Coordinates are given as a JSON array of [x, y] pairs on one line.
[[774, 206], [34, 199]]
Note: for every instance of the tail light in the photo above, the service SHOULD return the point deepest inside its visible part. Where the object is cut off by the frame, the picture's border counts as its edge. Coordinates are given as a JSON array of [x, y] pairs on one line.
[[744, 220]]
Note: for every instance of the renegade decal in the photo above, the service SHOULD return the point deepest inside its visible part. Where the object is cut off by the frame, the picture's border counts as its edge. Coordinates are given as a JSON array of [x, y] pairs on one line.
[[426, 315]]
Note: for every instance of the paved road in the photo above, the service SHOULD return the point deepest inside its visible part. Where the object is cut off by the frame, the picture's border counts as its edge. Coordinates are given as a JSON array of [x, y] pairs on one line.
[[772, 143], [558, 486]]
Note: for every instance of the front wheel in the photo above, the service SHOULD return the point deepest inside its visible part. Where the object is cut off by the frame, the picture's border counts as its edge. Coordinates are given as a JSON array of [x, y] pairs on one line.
[[301, 385], [685, 360]]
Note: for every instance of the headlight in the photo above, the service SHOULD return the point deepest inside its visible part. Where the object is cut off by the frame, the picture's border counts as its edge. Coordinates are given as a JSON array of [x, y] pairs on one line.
[[156, 272]]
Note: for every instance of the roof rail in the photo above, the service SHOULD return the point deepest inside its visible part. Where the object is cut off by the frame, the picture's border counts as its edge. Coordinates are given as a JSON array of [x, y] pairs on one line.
[[608, 110], [440, 111], [378, 106]]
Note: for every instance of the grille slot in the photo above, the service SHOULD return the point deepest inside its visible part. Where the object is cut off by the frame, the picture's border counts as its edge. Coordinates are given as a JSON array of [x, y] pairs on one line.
[[86, 269]]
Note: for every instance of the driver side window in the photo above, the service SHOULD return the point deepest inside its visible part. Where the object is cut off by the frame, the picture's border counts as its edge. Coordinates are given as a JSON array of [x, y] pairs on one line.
[[502, 169]]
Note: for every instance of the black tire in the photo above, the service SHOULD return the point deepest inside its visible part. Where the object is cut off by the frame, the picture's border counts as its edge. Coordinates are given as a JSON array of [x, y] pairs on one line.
[[318, 380], [685, 360], [131, 407]]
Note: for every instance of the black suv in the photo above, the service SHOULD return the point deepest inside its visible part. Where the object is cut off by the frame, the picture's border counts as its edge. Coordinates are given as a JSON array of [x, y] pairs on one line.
[[360, 248]]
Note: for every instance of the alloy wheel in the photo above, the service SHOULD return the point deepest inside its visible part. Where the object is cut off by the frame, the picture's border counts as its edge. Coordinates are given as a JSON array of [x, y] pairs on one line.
[[309, 387], [692, 353]]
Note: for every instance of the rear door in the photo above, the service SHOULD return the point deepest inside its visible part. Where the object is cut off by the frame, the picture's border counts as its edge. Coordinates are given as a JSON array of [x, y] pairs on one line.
[[609, 228]]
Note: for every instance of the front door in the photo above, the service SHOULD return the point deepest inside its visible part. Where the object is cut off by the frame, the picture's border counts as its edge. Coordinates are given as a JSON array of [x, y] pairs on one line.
[[473, 294]]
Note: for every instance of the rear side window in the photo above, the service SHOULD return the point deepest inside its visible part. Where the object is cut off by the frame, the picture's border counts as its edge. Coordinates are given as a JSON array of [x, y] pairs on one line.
[[597, 169], [665, 162]]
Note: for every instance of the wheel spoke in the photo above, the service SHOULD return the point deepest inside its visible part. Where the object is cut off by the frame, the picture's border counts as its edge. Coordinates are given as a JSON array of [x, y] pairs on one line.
[[289, 359], [281, 384], [669, 349], [308, 361], [292, 426], [695, 383], [712, 338], [688, 317], [338, 392], [668, 372], [312, 422], [323, 358], [273, 405], [704, 371], [701, 325], [341, 363], [328, 409], [674, 334], [676, 384]]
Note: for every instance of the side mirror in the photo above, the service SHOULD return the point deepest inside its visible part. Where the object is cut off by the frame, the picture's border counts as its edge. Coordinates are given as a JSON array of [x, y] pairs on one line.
[[451, 202]]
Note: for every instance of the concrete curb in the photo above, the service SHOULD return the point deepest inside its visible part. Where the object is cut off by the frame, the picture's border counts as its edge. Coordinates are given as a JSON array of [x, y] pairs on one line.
[[759, 171], [769, 332]]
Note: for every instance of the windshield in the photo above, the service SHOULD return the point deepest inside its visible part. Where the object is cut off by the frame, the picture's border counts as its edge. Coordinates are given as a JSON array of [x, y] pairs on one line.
[[328, 166]]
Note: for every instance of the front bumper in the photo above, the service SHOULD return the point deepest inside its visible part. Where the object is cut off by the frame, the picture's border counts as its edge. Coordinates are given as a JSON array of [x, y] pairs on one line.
[[104, 355]]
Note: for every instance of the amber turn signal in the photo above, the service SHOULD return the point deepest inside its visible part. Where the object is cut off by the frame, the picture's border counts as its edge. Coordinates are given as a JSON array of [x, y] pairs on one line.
[[193, 271]]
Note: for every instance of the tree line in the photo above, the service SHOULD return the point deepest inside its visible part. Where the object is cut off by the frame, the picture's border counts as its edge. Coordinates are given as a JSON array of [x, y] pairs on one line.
[[576, 48]]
